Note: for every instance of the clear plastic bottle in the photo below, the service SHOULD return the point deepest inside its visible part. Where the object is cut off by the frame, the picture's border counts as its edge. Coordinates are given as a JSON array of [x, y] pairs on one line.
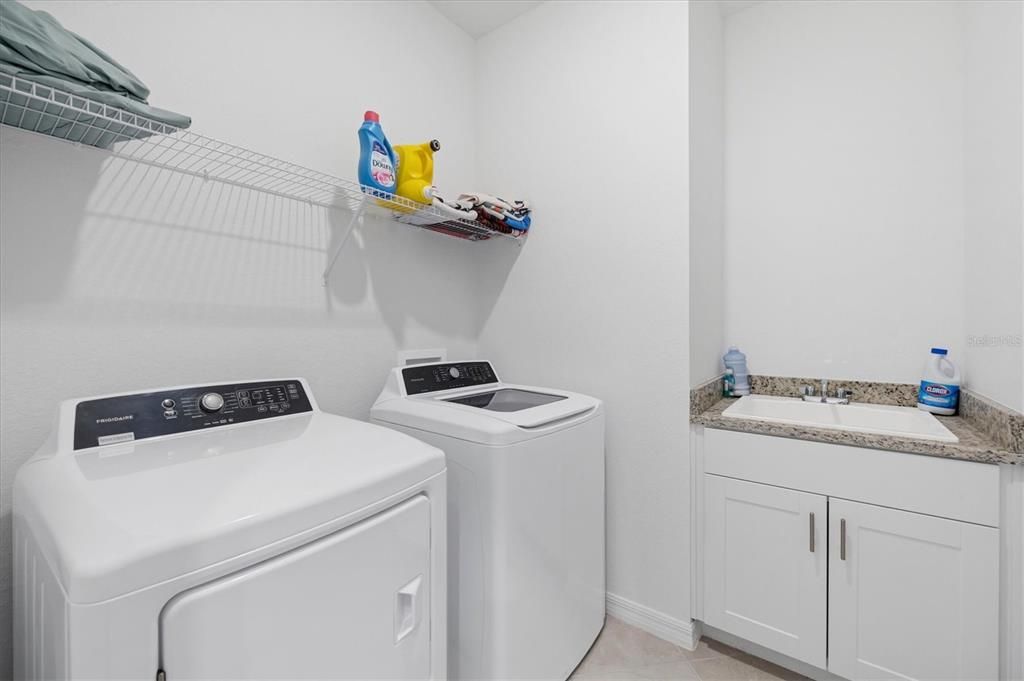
[[940, 385], [737, 361]]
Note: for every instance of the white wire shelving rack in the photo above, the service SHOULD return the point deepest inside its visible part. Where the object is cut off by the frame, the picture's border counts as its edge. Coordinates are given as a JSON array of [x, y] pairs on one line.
[[44, 110]]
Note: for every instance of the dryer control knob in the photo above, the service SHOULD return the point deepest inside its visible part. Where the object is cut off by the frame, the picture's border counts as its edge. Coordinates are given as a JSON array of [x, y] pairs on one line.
[[453, 372], [211, 402]]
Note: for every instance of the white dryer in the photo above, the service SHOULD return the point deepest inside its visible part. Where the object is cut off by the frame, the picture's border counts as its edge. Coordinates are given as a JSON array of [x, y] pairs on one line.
[[228, 532], [526, 521]]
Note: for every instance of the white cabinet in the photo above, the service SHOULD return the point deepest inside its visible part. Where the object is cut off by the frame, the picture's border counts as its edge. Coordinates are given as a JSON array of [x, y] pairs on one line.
[[766, 566], [911, 596], [902, 578]]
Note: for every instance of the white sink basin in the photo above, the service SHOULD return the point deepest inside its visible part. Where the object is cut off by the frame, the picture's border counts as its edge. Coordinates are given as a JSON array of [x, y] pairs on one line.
[[879, 419]]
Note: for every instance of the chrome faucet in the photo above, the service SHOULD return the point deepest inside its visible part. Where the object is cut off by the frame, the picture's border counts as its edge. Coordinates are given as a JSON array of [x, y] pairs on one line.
[[843, 395]]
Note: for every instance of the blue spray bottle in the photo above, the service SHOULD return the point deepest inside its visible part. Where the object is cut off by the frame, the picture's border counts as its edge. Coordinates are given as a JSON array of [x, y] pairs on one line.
[[376, 157]]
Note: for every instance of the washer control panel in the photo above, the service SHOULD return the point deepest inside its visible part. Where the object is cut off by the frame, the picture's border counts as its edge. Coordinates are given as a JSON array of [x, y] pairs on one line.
[[431, 377], [126, 418]]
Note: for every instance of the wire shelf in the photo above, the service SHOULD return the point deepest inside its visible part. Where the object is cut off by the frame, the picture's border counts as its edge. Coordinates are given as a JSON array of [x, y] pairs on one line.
[[44, 110]]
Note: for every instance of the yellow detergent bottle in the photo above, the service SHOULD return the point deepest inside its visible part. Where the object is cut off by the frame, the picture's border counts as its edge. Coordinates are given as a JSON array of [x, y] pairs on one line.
[[416, 171]]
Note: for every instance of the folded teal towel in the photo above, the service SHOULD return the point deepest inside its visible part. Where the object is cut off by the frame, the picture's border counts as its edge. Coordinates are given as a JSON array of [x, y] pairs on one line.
[[37, 42], [35, 47], [107, 97]]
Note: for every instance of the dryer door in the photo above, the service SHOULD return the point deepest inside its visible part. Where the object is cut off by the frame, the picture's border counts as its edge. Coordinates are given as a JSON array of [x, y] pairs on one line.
[[353, 605]]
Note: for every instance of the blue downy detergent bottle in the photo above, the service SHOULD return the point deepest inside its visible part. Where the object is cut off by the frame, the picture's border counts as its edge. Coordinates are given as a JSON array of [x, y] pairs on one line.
[[376, 157]]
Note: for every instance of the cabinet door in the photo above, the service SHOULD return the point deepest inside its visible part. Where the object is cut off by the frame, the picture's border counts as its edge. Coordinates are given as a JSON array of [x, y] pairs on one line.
[[911, 596], [765, 569]]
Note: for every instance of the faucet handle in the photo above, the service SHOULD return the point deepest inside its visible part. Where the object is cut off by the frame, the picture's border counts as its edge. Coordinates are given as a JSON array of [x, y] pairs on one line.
[[807, 390], [845, 394]]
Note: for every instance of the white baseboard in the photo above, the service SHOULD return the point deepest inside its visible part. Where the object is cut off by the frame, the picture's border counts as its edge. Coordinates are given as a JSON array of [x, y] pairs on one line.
[[685, 633]]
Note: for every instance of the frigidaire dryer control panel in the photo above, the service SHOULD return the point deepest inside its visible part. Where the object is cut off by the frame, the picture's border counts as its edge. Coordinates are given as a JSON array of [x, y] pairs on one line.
[[125, 418], [426, 378]]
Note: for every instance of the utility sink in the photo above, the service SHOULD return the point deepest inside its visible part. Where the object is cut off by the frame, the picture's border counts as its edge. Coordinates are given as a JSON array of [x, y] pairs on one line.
[[880, 419]]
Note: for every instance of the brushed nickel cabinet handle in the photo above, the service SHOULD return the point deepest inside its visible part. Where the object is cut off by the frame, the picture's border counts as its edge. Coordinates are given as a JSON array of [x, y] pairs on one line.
[[842, 539], [812, 533]]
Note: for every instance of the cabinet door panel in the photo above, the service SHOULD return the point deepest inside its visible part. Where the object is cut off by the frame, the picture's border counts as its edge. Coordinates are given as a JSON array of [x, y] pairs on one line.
[[763, 581], [911, 596]]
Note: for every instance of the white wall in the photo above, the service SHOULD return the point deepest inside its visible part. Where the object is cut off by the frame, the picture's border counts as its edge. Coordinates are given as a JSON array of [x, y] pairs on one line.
[[707, 190], [117, 278], [594, 132], [994, 225], [844, 186]]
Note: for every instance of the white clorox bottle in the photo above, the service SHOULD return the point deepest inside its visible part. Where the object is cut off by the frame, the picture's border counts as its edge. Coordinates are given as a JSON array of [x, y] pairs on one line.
[[940, 385]]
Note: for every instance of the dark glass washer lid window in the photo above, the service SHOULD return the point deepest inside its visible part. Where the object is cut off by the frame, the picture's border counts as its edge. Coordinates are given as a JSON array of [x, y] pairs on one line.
[[507, 399]]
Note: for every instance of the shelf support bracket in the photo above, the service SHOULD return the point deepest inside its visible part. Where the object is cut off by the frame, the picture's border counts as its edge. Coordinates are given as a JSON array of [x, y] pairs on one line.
[[356, 216]]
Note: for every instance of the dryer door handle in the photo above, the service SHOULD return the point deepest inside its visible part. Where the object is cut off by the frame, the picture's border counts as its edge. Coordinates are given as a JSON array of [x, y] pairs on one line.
[[407, 608]]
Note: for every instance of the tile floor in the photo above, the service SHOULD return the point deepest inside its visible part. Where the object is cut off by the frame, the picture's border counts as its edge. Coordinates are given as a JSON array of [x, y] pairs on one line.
[[625, 652]]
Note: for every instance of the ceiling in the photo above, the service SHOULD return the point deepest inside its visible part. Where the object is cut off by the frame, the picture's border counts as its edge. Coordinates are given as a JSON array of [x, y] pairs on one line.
[[478, 17], [732, 6]]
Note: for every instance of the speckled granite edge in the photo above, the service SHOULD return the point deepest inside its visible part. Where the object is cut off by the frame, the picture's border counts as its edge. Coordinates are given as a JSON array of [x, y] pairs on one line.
[[988, 431], [704, 396], [974, 445], [1002, 425], [900, 394], [875, 392]]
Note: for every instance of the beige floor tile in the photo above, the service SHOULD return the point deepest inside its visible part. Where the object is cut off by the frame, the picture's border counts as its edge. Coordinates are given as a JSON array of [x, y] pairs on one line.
[[594, 674], [589, 669], [621, 646], [625, 653], [680, 670], [743, 667], [725, 669]]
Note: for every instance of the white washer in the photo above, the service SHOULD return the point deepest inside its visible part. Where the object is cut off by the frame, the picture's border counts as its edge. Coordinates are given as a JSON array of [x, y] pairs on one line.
[[229, 531], [526, 564]]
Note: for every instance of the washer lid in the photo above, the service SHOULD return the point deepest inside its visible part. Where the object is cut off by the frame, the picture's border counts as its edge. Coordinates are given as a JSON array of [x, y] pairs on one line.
[[499, 414], [119, 518], [507, 399]]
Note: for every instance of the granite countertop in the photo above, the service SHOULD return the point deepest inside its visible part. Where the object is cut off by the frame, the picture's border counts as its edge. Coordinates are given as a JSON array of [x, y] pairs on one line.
[[974, 445]]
